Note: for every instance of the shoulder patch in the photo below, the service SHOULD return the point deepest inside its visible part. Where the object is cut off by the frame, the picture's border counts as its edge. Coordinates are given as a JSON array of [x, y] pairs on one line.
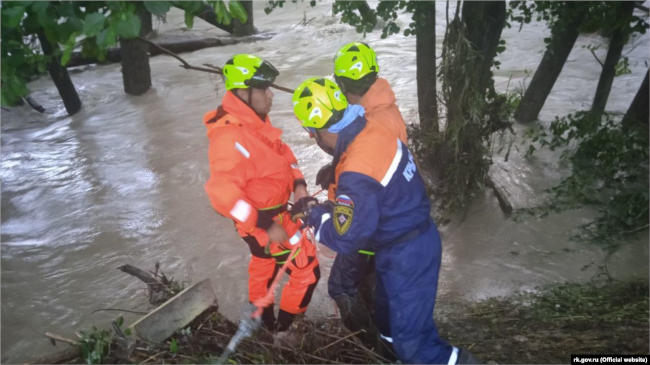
[[343, 214]]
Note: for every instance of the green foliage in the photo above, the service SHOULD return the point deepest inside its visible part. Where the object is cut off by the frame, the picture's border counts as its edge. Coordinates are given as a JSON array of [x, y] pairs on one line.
[[610, 172], [462, 153], [173, 345], [93, 26], [237, 11], [95, 345], [609, 304], [600, 17], [623, 67], [157, 8]]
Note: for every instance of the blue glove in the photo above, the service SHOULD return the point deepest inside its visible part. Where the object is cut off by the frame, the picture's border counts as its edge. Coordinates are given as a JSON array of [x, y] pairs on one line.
[[315, 214]]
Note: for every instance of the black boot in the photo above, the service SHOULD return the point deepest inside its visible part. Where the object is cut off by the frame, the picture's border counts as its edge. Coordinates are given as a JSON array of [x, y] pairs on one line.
[[268, 318], [354, 314]]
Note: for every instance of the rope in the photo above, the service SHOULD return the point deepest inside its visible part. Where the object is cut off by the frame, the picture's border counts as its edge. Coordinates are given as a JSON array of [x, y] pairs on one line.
[[267, 299]]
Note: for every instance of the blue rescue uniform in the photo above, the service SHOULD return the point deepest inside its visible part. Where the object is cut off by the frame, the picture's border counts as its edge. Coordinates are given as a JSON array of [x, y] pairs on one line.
[[381, 203]]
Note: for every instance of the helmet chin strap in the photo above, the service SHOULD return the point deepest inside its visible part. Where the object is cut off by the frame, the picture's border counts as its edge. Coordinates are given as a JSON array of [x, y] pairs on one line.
[[248, 103]]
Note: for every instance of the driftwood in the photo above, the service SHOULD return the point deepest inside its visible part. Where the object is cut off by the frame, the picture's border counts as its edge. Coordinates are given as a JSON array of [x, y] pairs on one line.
[[160, 287], [175, 313], [178, 46], [35, 105]]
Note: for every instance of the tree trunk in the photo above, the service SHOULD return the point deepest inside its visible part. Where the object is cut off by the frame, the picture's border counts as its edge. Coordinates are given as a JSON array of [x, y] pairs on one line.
[[425, 43], [244, 29], [136, 73], [637, 114], [619, 37], [484, 22], [60, 77], [146, 19], [563, 37]]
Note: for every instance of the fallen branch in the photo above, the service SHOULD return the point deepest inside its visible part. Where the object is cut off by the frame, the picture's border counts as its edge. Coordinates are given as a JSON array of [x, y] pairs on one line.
[[337, 341], [56, 337], [212, 69], [36, 106], [118, 310]]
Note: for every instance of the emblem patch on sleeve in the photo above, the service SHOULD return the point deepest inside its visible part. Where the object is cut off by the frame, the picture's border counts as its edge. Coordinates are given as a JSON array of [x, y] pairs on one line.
[[343, 214]]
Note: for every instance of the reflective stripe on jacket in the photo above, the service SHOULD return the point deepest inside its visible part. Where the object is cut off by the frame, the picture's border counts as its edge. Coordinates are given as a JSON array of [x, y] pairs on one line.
[[380, 195]]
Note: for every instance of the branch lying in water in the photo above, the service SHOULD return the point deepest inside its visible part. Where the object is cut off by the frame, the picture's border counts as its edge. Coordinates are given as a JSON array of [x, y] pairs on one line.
[[212, 69]]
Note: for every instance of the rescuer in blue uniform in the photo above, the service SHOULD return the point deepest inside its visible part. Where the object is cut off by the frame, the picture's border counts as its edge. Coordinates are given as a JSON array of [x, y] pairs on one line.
[[381, 203]]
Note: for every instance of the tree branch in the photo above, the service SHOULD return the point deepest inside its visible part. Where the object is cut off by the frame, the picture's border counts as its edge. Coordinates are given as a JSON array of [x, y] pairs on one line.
[[596, 57], [212, 69]]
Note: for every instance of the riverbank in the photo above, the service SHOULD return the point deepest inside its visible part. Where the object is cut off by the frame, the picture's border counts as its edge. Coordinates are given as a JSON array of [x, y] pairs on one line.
[[542, 327]]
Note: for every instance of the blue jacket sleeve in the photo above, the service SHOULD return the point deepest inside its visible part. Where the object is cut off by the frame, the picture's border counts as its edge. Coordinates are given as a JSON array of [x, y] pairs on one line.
[[354, 216]]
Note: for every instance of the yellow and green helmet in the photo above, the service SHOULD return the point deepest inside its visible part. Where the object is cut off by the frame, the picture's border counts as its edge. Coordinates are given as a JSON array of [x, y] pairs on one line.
[[355, 60], [244, 70], [318, 103]]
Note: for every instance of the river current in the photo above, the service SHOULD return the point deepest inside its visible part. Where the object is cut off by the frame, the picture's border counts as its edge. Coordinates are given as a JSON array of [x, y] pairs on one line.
[[122, 180]]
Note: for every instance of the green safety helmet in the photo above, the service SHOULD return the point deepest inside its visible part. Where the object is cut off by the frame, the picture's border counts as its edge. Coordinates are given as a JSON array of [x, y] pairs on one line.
[[318, 103], [244, 70], [355, 60]]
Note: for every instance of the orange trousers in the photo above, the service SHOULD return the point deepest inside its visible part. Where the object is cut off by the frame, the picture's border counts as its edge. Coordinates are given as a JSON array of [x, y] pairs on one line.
[[303, 268]]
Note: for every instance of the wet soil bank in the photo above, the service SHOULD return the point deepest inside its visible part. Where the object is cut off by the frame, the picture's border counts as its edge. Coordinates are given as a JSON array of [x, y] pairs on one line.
[[543, 327]]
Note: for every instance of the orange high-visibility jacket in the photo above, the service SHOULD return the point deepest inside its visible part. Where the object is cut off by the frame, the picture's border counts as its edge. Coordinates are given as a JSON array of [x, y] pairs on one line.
[[379, 103], [251, 168], [380, 108]]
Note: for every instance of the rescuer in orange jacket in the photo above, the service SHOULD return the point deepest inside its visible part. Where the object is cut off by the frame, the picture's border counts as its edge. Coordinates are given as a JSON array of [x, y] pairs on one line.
[[252, 176]]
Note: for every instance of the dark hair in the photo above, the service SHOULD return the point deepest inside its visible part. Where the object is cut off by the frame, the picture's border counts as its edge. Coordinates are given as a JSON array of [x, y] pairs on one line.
[[358, 87]]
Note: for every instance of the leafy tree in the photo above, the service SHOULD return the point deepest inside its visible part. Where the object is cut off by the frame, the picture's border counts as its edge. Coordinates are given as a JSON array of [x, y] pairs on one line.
[[94, 26], [609, 158], [609, 171], [566, 20], [459, 154]]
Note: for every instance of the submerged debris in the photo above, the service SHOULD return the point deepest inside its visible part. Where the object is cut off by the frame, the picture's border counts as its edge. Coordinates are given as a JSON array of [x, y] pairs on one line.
[[542, 327]]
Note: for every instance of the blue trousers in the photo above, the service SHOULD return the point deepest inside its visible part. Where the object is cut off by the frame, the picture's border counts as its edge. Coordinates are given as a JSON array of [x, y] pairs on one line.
[[407, 281]]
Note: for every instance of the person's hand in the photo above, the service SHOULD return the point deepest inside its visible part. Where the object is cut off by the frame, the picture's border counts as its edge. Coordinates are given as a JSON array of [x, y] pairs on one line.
[[301, 207], [325, 176], [300, 192], [277, 234], [314, 218]]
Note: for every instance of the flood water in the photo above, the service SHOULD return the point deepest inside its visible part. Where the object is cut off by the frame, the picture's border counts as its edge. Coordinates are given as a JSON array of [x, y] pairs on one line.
[[122, 180]]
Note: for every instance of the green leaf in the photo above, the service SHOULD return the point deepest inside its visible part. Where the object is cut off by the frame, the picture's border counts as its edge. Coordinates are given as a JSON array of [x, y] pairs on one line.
[[194, 7], [189, 19], [12, 15], [93, 24], [159, 8], [106, 38], [221, 11], [67, 52], [173, 346], [238, 11], [128, 26]]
